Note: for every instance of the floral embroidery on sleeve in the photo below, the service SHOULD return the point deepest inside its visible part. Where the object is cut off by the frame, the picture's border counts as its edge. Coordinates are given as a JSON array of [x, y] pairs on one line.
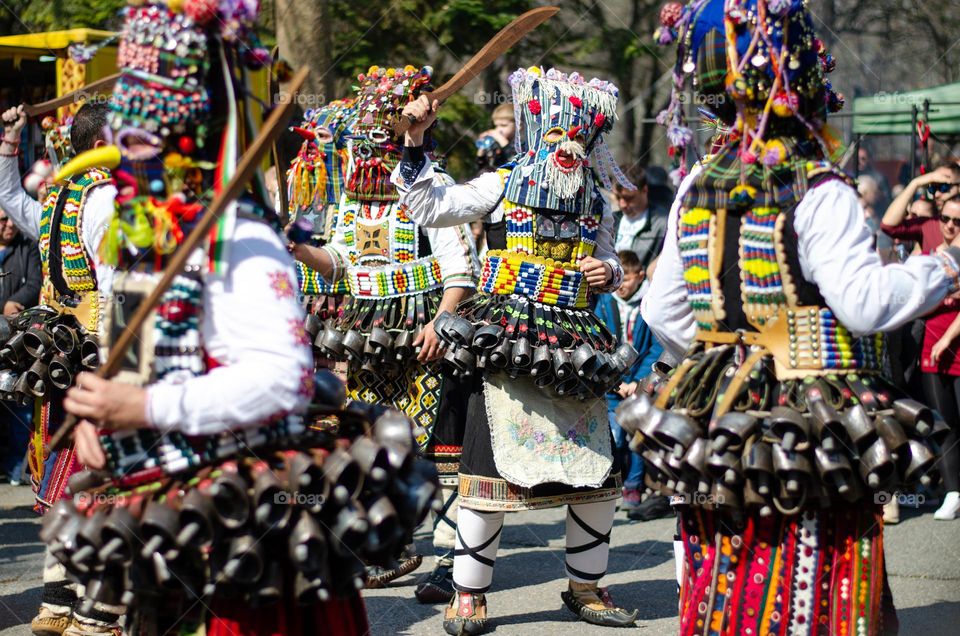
[[298, 332], [281, 284]]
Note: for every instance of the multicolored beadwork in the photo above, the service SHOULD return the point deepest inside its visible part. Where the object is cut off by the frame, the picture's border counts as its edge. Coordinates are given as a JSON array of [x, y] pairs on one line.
[[761, 284], [544, 281], [390, 281], [694, 239]]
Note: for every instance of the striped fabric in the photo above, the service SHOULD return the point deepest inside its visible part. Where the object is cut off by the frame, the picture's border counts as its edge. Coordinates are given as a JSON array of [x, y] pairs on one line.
[[761, 283], [818, 572], [694, 235], [540, 280], [401, 279]]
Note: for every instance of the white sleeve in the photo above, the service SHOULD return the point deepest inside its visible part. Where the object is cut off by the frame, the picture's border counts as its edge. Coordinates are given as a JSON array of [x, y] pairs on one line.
[[665, 307], [253, 326], [19, 206], [836, 253], [433, 205], [454, 249], [606, 250]]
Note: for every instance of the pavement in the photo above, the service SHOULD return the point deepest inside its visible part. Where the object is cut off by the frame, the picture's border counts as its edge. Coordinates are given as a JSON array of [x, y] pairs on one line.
[[923, 561]]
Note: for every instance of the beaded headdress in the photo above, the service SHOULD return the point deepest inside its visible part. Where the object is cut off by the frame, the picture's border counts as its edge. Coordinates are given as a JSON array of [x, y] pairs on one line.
[[758, 67], [562, 120], [375, 146]]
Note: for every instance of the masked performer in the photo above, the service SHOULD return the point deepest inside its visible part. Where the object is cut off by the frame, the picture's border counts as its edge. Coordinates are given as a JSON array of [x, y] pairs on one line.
[[222, 512], [776, 431], [400, 276], [314, 186], [68, 226], [531, 442]]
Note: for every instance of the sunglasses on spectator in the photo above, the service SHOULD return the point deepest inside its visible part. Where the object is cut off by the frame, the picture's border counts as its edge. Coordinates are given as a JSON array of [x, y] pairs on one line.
[[942, 188], [951, 220]]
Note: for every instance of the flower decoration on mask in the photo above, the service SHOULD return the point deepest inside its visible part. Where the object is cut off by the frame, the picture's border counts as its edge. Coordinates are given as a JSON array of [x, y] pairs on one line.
[[374, 145], [562, 119]]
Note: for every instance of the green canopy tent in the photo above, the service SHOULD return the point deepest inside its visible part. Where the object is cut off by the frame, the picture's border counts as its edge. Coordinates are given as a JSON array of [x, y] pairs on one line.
[[894, 113]]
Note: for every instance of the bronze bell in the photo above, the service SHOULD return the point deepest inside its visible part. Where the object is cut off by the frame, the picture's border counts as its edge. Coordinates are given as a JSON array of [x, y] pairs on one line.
[[460, 331], [632, 410], [65, 339], [827, 424], [562, 365], [569, 386], [914, 415], [487, 337], [403, 345], [463, 360], [676, 431], [753, 499], [661, 471], [343, 475], [35, 378], [940, 429], [724, 497], [349, 529], [792, 468], [331, 339], [158, 529], [500, 356], [381, 340], [730, 430], [922, 466], [693, 468], [90, 352], [372, 459], [197, 521], [541, 361], [789, 426], [393, 431], [230, 501], [119, 540], [892, 434], [859, 426], [353, 343], [584, 361], [14, 353], [440, 322], [6, 329], [385, 530], [307, 546], [89, 540], [626, 356], [37, 341], [244, 560], [726, 467], [834, 469], [60, 370], [311, 324], [522, 354], [758, 467], [271, 501], [876, 465]]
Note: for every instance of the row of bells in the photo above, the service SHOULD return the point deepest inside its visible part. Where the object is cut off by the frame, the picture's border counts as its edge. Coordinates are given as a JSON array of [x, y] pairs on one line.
[[316, 508], [781, 458], [41, 351]]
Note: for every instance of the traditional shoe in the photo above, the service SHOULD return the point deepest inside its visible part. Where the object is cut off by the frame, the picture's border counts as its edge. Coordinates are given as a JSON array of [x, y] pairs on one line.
[[949, 508], [655, 507], [378, 577], [466, 614], [49, 623], [80, 627], [437, 587], [585, 600]]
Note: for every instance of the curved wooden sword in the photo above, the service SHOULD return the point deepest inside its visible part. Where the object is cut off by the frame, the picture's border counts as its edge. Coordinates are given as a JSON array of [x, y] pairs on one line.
[[497, 46]]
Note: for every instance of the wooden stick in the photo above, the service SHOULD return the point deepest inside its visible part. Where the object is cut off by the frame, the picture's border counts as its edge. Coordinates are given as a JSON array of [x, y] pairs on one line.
[[102, 85], [249, 163]]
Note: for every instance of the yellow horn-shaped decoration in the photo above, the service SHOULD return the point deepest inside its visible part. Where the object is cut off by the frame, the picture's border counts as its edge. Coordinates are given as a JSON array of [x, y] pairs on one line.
[[103, 157]]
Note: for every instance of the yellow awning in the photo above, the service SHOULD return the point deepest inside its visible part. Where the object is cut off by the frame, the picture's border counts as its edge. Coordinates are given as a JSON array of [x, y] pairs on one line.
[[54, 40]]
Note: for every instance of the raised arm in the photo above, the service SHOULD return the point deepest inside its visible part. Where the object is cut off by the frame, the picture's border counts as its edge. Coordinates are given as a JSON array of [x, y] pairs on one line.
[[19, 206], [898, 208]]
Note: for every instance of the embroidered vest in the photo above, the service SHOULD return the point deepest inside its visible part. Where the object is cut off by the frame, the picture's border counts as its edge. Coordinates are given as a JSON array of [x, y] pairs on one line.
[[70, 282], [389, 255], [742, 273], [536, 253]]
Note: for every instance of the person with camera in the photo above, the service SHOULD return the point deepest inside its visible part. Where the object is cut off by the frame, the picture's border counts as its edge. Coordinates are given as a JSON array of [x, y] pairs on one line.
[[493, 146]]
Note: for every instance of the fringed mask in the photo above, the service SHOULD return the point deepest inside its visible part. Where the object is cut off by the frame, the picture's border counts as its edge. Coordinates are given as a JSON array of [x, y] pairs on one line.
[[562, 119], [374, 146], [315, 178]]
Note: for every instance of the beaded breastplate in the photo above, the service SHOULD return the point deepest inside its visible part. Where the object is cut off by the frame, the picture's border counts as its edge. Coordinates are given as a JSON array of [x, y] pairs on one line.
[[541, 256], [75, 287], [805, 338], [384, 248]]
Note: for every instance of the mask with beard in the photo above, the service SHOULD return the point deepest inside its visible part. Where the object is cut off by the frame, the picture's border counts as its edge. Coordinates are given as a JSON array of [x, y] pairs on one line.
[[562, 119]]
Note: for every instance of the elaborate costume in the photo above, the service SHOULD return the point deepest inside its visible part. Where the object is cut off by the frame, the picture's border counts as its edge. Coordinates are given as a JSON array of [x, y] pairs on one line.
[[314, 187], [776, 430], [46, 346], [397, 274], [530, 444], [224, 509]]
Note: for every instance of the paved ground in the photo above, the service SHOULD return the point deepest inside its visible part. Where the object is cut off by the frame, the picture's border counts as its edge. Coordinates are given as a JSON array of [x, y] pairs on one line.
[[923, 563]]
